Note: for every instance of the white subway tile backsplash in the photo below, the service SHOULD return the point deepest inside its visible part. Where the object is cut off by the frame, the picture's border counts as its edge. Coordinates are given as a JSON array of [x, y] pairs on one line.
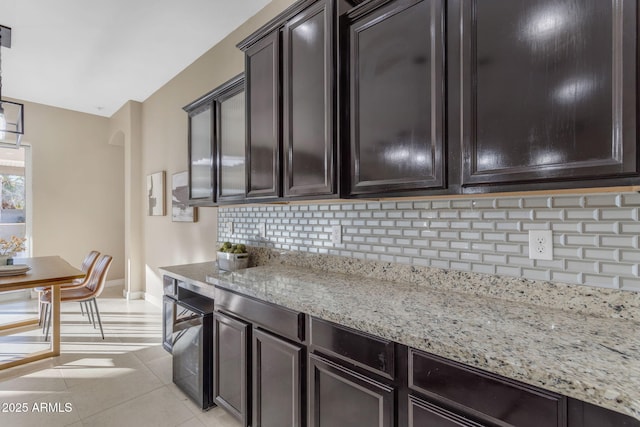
[[595, 236], [601, 281], [622, 214], [602, 254], [619, 241], [523, 214], [471, 256], [618, 269], [508, 270], [581, 240], [537, 202], [582, 266], [509, 202], [483, 247], [441, 204], [581, 214], [549, 215], [520, 261], [631, 199], [630, 284], [567, 202], [457, 265], [439, 263], [566, 277], [627, 227], [461, 245], [483, 268], [603, 200], [534, 274]]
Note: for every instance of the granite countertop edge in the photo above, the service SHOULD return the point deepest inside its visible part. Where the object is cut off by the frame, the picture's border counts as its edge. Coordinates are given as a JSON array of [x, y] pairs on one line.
[[505, 346]]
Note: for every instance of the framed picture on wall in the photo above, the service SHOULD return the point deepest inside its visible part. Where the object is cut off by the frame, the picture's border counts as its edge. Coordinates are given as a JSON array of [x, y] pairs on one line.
[[155, 194], [180, 209]]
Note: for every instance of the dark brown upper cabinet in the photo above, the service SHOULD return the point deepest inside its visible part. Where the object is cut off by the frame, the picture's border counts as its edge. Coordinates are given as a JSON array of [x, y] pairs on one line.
[[308, 102], [201, 150], [230, 141], [397, 89], [543, 90], [291, 72], [263, 146]]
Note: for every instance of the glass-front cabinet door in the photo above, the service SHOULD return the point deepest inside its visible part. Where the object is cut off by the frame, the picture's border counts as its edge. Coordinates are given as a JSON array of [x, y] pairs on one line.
[[230, 137], [201, 151]]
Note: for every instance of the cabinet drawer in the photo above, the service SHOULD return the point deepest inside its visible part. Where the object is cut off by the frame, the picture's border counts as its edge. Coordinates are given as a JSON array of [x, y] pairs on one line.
[[370, 352], [482, 394], [423, 413], [280, 320]]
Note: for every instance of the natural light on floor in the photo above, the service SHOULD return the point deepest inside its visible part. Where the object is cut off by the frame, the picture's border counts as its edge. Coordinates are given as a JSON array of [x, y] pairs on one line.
[[125, 379]]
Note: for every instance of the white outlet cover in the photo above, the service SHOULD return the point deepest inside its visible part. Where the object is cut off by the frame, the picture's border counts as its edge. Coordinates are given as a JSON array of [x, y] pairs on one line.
[[262, 230], [541, 244], [336, 234], [230, 227]]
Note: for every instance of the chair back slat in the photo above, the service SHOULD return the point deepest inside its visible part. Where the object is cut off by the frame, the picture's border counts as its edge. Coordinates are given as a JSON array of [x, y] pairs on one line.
[[88, 265], [89, 261], [98, 276]]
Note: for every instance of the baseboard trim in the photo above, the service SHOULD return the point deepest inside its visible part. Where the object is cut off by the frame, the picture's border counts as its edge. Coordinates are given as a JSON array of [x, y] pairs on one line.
[[114, 283], [153, 300], [132, 295]]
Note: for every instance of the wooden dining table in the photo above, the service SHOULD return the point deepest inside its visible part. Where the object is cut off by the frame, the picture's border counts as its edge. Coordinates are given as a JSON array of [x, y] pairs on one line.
[[50, 271]]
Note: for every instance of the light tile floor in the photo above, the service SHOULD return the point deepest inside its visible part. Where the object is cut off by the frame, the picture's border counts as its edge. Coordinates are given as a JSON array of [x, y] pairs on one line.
[[124, 380]]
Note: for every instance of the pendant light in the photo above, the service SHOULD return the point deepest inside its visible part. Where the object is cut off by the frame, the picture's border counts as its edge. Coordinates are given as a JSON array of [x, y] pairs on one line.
[[11, 113]]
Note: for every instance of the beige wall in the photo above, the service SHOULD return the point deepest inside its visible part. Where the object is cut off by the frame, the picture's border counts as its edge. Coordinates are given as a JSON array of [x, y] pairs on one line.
[[125, 130], [164, 147], [77, 184]]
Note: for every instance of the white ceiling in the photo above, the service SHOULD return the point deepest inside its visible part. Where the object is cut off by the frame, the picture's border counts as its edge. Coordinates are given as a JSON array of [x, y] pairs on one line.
[[95, 55]]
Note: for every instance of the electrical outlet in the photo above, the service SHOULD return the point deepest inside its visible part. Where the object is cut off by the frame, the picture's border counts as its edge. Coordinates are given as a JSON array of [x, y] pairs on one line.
[[262, 230], [230, 227], [336, 234], [541, 244]]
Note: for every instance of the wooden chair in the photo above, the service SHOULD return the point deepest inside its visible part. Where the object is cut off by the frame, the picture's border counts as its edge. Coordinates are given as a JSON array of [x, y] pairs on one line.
[[87, 266], [87, 293]]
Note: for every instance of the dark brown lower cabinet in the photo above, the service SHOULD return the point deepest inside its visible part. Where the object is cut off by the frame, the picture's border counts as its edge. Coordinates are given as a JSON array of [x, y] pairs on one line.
[[276, 367], [425, 414], [483, 396], [340, 397], [231, 359], [277, 385]]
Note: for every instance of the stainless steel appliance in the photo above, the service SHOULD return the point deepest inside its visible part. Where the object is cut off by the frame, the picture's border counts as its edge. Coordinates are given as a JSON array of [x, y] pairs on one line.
[[170, 286], [193, 347]]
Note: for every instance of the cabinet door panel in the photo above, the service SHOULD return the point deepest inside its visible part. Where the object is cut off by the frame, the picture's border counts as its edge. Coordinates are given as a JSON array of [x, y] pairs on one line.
[[339, 397], [231, 145], [547, 89], [230, 381], [277, 391], [397, 98], [263, 110], [308, 87], [201, 176]]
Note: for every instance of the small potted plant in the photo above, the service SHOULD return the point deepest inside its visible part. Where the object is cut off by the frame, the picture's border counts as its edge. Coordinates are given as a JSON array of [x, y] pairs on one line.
[[9, 248]]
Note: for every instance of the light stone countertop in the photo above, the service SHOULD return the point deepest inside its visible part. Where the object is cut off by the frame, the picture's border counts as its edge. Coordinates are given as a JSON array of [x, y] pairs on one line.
[[584, 356], [589, 358], [193, 272]]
